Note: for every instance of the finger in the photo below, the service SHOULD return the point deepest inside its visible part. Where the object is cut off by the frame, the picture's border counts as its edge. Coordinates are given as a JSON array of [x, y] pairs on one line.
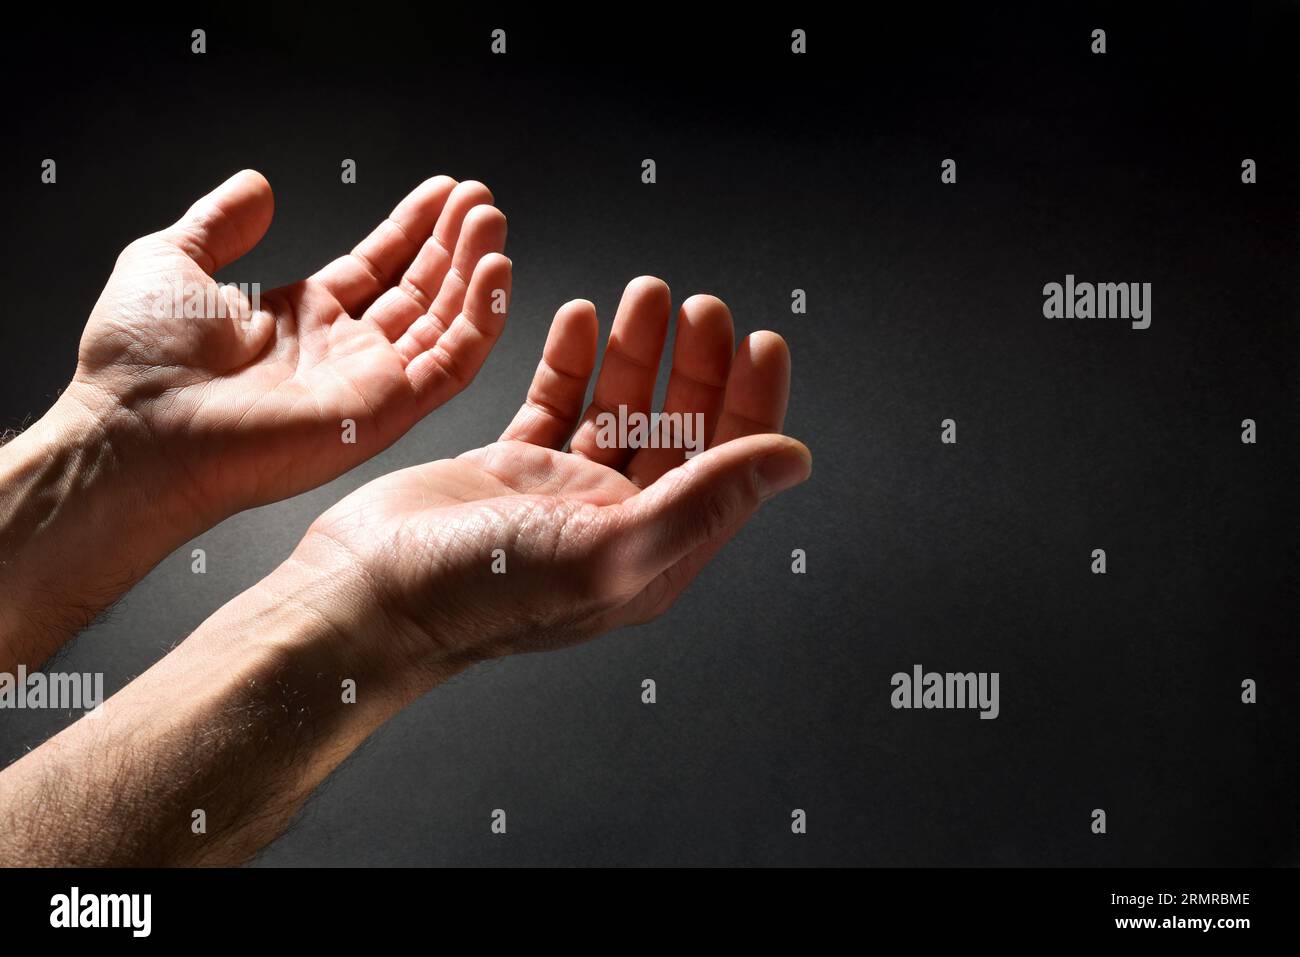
[[413, 296], [226, 223], [701, 359], [454, 359], [484, 232], [356, 279], [630, 367], [704, 500], [758, 389], [554, 399], [658, 596]]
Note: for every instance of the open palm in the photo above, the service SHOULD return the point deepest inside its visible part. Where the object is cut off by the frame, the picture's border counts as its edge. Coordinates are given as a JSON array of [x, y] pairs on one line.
[[241, 406], [519, 546]]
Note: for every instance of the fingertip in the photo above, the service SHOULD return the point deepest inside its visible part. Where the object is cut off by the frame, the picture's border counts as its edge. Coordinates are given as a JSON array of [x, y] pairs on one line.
[[245, 202], [708, 316], [647, 286], [478, 189], [758, 448], [789, 445], [496, 271], [489, 296], [578, 315], [765, 340], [753, 447], [433, 193], [496, 262], [787, 464], [487, 226], [253, 180], [483, 213], [766, 351], [246, 192], [573, 340], [704, 303]]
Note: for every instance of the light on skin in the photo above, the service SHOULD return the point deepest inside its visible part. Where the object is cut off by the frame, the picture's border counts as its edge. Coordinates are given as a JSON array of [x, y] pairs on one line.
[[393, 588], [171, 425]]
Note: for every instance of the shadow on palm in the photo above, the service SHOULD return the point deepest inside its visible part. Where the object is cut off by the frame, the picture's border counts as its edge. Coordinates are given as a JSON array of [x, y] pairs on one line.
[[524, 545]]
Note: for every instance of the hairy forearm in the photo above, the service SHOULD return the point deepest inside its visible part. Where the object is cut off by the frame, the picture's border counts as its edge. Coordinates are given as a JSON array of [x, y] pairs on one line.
[[240, 722], [80, 523]]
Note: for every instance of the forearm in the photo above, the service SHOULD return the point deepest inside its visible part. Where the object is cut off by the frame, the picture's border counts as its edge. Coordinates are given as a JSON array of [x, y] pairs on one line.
[[81, 521], [241, 721]]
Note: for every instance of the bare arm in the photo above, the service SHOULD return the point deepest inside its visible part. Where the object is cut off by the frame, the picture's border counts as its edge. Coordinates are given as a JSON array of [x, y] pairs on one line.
[[193, 400], [241, 722], [515, 547], [78, 527]]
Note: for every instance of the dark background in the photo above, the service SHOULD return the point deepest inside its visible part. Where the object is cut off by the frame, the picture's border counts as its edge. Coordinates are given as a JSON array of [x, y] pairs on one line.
[[778, 172]]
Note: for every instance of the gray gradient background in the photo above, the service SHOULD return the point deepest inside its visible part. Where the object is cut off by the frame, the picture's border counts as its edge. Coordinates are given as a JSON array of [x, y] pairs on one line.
[[1119, 692]]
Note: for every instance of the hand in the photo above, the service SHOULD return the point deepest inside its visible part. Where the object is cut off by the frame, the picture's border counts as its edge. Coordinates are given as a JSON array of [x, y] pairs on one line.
[[592, 538], [394, 590], [240, 406]]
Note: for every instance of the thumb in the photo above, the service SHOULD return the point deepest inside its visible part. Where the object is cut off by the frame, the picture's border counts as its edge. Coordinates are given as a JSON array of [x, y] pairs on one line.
[[709, 497], [225, 224]]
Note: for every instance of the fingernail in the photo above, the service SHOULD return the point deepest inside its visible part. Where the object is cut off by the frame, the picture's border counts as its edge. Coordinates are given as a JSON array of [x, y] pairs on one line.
[[777, 473]]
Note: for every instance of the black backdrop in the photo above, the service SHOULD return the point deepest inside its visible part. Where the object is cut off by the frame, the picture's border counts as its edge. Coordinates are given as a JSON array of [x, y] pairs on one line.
[[778, 172]]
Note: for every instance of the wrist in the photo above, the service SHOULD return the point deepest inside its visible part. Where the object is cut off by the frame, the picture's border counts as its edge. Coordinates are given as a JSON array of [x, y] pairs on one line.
[[141, 470], [79, 526], [243, 720], [333, 609]]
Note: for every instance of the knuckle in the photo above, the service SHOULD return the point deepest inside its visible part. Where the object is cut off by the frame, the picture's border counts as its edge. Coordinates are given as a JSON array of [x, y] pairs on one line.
[[716, 512], [133, 249], [588, 553]]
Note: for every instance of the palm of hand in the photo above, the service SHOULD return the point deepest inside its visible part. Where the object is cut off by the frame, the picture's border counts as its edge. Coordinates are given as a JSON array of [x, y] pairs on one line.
[[514, 532], [519, 546], [253, 405]]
